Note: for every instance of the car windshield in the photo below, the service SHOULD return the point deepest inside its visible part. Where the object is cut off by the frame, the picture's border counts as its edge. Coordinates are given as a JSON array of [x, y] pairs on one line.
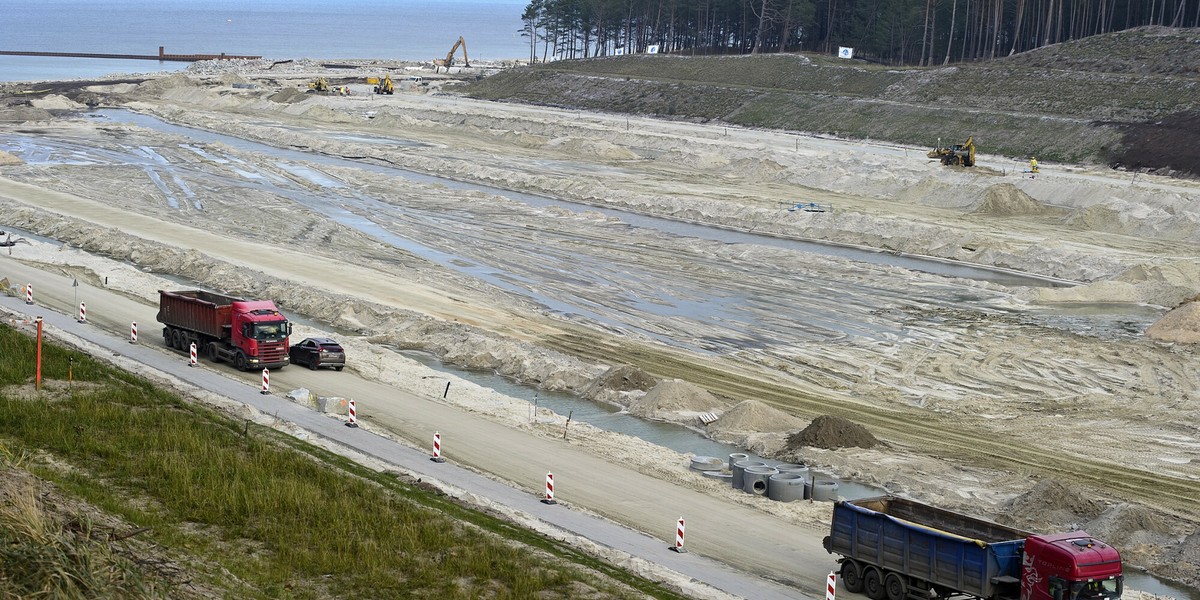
[[269, 331]]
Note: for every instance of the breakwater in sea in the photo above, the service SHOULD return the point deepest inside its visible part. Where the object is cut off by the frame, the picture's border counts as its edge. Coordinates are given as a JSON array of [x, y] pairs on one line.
[[161, 56]]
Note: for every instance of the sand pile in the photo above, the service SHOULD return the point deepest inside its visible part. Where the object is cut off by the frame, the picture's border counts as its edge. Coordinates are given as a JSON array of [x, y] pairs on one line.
[[155, 87], [9, 159], [755, 417], [1052, 505], [288, 95], [56, 102], [1183, 561], [619, 385], [1005, 200], [675, 398], [830, 432], [1179, 325]]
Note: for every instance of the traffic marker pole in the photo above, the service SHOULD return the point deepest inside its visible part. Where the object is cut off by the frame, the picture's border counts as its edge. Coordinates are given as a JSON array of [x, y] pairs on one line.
[[266, 386], [437, 448], [830, 586], [679, 537], [353, 422], [133, 332], [29, 293], [192, 356], [549, 489], [82, 313]]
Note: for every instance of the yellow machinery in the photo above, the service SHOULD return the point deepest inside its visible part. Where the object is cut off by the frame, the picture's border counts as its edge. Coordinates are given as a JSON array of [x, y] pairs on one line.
[[385, 86], [958, 154], [449, 60], [320, 85]]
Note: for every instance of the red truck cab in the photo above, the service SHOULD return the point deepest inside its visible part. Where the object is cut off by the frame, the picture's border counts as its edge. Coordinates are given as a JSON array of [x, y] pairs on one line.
[[1070, 566], [261, 331]]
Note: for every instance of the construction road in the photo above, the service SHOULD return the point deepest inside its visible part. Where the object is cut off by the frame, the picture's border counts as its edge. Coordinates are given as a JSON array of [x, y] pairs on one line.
[[749, 540]]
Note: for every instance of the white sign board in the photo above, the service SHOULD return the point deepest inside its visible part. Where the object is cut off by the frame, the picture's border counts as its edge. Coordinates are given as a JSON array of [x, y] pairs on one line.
[[652, 49], [844, 52], [620, 52]]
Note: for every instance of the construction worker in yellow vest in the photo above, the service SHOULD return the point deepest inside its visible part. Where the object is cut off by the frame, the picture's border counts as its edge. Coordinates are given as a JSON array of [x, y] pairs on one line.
[[1033, 166]]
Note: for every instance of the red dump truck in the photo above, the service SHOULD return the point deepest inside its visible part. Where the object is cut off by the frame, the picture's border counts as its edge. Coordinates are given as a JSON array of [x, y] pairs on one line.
[[893, 548], [250, 334]]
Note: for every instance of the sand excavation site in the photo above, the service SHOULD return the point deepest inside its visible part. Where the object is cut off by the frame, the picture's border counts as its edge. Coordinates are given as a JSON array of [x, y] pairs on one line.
[[1021, 349]]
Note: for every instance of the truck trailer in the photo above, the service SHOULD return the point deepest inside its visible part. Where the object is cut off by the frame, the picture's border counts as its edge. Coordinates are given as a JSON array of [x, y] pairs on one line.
[[894, 548], [250, 334]]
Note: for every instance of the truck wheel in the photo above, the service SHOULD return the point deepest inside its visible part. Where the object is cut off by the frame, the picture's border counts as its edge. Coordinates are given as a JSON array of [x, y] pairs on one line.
[[212, 353], [894, 587], [852, 577], [338, 368], [239, 362], [873, 584]]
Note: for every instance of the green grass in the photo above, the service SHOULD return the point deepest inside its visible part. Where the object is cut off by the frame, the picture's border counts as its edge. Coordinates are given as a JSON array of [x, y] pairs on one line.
[[286, 518]]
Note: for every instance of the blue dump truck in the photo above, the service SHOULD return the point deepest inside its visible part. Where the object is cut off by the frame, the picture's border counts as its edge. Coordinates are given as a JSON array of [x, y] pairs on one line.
[[894, 549]]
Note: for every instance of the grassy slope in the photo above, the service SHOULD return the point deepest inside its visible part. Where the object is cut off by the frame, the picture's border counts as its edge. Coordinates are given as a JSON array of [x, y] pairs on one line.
[[1056, 102], [254, 513]]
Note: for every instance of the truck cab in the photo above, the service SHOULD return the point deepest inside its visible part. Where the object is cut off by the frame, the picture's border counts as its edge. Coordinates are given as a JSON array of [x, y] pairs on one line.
[[1070, 566], [261, 332]]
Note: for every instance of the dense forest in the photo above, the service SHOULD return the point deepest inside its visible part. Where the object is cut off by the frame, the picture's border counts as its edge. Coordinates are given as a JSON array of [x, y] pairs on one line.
[[894, 32]]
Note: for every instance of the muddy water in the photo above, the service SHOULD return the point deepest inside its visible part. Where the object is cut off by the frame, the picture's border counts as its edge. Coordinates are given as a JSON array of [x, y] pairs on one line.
[[706, 298]]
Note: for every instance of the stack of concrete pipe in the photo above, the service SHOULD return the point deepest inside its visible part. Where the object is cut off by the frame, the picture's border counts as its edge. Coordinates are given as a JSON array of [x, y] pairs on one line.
[[784, 483]]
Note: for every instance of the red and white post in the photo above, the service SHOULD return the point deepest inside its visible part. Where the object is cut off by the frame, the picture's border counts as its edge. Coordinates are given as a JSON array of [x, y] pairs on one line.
[[133, 332], [192, 355], [266, 385], [353, 422], [29, 293], [678, 547], [437, 448], [82, 313], [830, 586], [549, 499]]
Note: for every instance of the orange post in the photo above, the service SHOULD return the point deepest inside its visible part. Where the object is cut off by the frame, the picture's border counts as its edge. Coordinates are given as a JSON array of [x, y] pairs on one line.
[[37, 382]]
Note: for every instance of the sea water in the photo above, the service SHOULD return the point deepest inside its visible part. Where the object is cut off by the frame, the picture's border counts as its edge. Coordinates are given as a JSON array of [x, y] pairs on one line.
[[275, 29]]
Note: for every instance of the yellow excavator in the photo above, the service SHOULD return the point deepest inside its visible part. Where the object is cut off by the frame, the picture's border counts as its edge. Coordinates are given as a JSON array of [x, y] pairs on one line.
[[449, 60], [385, 85], [958, 154], [319, 85]]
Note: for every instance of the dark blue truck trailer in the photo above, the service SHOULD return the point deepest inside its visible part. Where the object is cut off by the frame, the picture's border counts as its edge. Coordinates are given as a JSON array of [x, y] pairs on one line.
[[894, 548]]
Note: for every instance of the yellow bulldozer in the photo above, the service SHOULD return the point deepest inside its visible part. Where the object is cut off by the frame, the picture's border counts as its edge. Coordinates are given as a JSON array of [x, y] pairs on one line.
[[449, 60], [958, 154]]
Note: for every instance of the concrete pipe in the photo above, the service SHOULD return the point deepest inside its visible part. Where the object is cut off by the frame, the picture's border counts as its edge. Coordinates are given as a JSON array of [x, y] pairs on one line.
[[735, 458], [754, 480], [720, 475], [792, 468], [739, 468], [786, 487], [707, 463], [825, 490]]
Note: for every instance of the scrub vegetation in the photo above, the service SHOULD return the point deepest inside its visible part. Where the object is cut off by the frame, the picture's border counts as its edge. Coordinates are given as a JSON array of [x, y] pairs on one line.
[[114, 488], [1103, 99]]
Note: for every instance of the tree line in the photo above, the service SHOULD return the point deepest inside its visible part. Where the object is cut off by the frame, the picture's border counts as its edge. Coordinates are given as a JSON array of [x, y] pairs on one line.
[[894, 32]]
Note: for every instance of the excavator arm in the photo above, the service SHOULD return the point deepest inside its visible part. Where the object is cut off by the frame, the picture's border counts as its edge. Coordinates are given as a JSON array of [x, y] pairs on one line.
[[449, 60]]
